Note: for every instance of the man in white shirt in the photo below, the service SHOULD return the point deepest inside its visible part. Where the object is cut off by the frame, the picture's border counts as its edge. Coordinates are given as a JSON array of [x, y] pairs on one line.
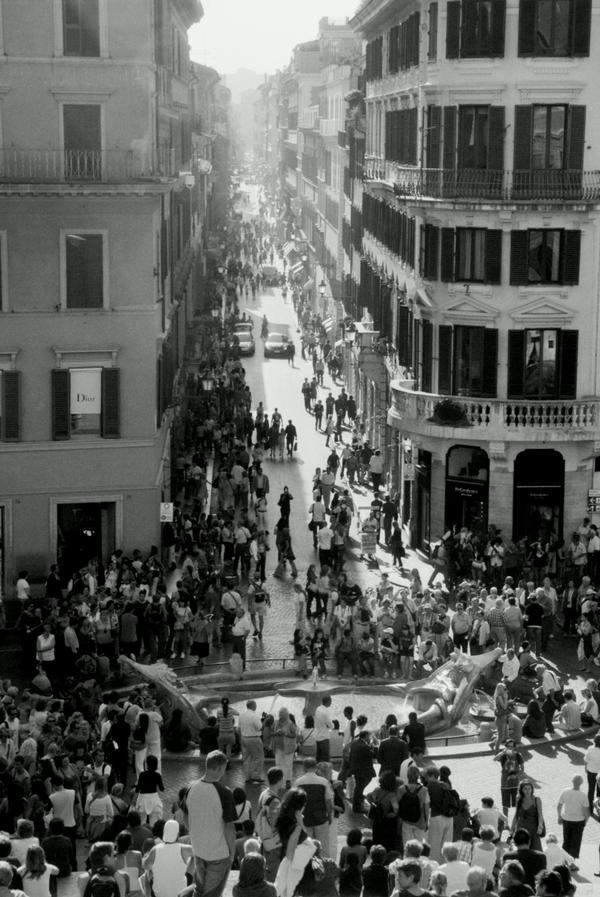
[[253, 754], [323, 726], [211, 814], [591, 760], [324, 540], [510, 665], [63, 802], [240, 631], [573, 812]]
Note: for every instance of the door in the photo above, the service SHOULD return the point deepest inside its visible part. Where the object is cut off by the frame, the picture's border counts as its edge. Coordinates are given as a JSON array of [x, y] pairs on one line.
[[82, 141], [422, 510], [539, 487], [86, 532]]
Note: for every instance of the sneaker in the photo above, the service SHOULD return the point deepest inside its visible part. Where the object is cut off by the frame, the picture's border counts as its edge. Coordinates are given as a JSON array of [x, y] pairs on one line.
[[182, 655], [173, 655]]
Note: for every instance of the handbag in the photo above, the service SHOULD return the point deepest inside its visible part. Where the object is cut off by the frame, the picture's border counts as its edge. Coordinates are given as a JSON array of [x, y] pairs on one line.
[[296, 446]]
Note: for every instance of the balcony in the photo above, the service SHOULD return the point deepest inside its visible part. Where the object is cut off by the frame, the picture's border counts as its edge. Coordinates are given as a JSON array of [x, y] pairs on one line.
[[495, 419], [22, 166], [478, 185]]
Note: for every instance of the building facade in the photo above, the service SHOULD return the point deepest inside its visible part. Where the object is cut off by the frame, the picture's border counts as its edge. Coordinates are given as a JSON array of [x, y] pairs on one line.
[[480, 256], [100, 224]]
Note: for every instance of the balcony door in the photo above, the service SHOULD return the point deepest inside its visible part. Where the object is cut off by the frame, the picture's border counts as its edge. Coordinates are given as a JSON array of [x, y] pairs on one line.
[[82, 142]]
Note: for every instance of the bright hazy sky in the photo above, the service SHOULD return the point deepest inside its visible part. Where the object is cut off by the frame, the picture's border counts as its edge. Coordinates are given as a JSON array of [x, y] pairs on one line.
[[259, 34]]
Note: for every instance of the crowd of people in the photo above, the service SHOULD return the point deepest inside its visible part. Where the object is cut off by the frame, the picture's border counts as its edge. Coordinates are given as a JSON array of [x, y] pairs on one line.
[[82, 767]]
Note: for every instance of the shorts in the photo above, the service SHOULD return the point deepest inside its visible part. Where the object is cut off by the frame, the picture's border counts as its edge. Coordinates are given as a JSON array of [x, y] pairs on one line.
[[509, 797]]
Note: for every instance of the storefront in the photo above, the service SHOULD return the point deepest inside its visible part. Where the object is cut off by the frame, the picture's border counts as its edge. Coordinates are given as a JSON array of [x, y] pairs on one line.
[[467, 488], [539, 492]]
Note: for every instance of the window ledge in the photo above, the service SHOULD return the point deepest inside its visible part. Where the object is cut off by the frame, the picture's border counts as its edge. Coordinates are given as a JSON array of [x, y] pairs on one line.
[[8, 359]]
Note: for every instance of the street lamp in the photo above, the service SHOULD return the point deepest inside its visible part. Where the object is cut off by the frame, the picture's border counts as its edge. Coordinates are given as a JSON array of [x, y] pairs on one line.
[[322, 289], [208, 383]]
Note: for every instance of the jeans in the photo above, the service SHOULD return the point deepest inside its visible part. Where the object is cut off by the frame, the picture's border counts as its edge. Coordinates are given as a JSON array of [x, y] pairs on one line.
[[210, 877], [572, 835], [591, 778], [253, 757], [534, 634], [322, 750]]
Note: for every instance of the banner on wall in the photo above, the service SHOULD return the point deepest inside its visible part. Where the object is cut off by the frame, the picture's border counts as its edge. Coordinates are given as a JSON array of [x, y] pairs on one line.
[[86, 391]]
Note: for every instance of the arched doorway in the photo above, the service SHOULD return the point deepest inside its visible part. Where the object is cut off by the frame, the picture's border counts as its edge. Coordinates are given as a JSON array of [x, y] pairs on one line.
[[539, 493], [467, 488]]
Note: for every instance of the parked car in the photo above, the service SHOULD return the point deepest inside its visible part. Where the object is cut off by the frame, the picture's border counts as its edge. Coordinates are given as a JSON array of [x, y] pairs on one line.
[[243, 339], [276, 345]]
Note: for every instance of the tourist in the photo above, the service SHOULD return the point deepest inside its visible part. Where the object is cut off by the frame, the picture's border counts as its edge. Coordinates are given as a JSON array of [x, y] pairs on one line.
[[323, 728], [573, 813], [531, 860], [253, 756], [529, 814], [211, 813], [285, 740], [360, 762], [318, 810], [168, 861]]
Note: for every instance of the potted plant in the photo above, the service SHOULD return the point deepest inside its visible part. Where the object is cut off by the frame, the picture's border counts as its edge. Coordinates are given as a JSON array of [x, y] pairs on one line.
[[448, 413]]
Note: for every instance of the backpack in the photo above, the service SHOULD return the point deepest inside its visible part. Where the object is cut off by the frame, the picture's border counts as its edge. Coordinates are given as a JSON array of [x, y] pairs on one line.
[[101, 887], [269, 837], [409, 806], [450, 802]]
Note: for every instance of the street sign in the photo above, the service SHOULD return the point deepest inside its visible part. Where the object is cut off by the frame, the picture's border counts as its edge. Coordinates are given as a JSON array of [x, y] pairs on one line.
[[409, 472], [166, 512], [593, 505]]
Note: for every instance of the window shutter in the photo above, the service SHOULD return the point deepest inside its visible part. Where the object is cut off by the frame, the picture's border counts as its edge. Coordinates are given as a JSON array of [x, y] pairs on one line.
[[434, 127], [61, 404], [582, 23], [519, 263], [453, 29], [445, 360], [516, 363], [493, 256], [427, 356], [527, 27], [576, 138], [450, 137], [522, 139], [110, 425], [447, 266], [11, 395], [571, 255], [496, 138], [489, 367], [567, 386], [498, 28], [432, 238]]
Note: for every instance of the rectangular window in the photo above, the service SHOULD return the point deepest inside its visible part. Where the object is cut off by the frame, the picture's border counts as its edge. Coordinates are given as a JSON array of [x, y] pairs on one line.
[[82, 141], [473, 136], [470, 254], [81, 28], [475, 28], [84, 270], [544, 252], [85, 403], [10, 400], [541, 368], [433, 32], [554, 27], [548, 137]]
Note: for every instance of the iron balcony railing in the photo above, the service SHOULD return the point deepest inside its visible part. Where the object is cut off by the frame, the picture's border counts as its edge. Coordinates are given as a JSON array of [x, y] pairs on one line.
[[493, 185], [67, 166]]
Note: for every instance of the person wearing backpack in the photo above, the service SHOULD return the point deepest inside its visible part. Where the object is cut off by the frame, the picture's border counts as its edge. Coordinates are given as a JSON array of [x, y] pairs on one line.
[[441, 825], [413, 806], [269, 802], [101, 880]]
